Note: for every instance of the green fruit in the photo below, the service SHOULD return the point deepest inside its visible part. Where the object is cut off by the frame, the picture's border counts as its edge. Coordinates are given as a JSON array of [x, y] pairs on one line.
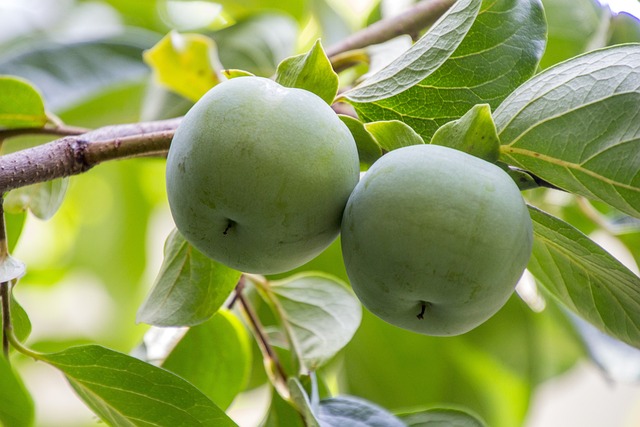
[[258, 175], [434, 239]]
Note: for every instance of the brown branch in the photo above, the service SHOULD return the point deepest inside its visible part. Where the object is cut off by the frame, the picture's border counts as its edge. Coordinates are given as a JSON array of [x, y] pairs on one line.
[[73, 155], [420, 16]]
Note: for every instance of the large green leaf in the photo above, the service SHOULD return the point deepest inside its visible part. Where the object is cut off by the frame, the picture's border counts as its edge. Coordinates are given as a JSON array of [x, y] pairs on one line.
[[215, 357], [190, 287], [585, 278], [423, 58], [67, 74], [577, 126], [500, 51], [16, 407], [124, 391], [20, 104], [320, 314]]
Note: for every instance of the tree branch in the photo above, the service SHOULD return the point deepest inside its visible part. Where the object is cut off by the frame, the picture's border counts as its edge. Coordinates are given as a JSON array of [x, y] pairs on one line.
[[420, 16], [73, 155], [61, 130]]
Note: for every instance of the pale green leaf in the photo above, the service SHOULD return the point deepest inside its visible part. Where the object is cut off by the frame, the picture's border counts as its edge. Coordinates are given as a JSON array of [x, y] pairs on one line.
[[11, 269], [185, 63], [16, 407], [585, 278], [393, 134], [281, 413], [125, 391], [577, 126], [474, 133], [423, 58], [302, 403], [500, 51], [215, 357], [20, 104], [42, 199], [438, 417], [355, 412], [189, 288], [368, 149], [311, 71], [320, 313]]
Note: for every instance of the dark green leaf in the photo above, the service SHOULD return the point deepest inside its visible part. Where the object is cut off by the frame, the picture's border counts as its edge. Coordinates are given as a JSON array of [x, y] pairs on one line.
[[577, 126], [19, 320], [15, 224], [422, 59], [190, 287], [257, 44], [474, 133], [311, 71], [320, 313], [67, 74], [16, 409], [20, 104], [585, 278], [42, 199], [438, 417], [124, 391], [393, 134], [354, 412], [215, 357], [500, 51], [368, 149]]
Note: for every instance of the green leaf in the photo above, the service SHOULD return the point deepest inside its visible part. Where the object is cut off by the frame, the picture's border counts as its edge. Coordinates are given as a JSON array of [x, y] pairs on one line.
[[474, 133], [190, 287], [69, 73], [16, 409], [42, 199], [185, 63], [423, 58], [19, 320], [500, 51], [320, 314], [355, 412], [368, 149], [124, 391], [625, 28], [437, 417], [281, 413], [301, 401], [14, 223], [21, 105], [258, 43], [585, 278], [311, 71], [577, 126], [574, 27], [393, 134], [215, 357]]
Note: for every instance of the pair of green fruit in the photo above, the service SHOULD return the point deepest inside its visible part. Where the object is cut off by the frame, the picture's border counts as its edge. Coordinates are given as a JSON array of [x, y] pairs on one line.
[[263, 178]]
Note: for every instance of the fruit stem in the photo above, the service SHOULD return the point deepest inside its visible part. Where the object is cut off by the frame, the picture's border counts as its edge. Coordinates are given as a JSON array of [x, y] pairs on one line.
[[423, 308]]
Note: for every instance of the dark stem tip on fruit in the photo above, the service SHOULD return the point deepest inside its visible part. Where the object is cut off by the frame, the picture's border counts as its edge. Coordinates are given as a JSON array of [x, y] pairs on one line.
[[423, 308], [230, 224]]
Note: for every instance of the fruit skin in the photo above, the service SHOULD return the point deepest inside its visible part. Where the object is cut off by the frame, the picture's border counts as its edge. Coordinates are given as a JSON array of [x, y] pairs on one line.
[[258, 175], [430, 224]]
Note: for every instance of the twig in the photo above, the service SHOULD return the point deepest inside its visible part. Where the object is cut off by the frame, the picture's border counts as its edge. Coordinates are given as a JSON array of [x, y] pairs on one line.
[[420, 16], [62, 130], [73, 155]]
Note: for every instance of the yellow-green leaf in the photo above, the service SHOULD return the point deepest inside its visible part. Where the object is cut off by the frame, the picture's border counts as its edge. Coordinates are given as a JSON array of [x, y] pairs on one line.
[[21, 105]]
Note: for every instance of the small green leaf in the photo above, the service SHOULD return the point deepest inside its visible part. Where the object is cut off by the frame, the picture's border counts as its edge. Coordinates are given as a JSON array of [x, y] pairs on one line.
[[437, 417], [215, 357], [233, 73], [125, 391], [585, 278], [281, 413], [311, 71], [14, 223], [301, 401], [19, 320], [185, 63], [21, 105], [423, 58], [42, 199], [355, 412], [190, 287], [320, 314], [368, 149], [393, 134], [474, 133], [16, 409], [576, 125]]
